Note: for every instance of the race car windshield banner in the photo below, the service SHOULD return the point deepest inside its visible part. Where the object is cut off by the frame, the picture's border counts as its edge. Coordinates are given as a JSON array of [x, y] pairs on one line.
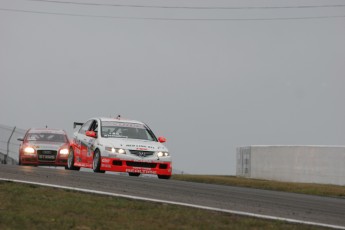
[[123, 124]]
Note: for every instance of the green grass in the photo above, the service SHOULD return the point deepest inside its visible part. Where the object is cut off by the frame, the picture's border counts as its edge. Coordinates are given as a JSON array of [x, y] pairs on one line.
[[34, 207], [305, 188]]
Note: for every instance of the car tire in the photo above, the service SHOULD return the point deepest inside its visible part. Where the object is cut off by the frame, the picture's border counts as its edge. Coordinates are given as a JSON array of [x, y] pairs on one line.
[[19, 161], [133, 174], [70, 161], [96, 164], [163, 177]]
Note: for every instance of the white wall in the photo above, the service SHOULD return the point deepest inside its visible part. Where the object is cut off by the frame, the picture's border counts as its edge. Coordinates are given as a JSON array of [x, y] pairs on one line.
[[310, 164]]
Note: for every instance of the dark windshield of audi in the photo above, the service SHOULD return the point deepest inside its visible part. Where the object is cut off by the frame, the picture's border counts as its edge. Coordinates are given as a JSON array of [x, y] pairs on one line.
[[46, 137]]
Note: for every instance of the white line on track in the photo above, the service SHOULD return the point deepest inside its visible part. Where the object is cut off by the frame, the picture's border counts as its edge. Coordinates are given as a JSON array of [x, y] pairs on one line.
[[178, 203]]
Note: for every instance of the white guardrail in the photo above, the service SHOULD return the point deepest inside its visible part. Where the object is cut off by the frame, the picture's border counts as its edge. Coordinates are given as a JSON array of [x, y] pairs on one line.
[[9, 145]]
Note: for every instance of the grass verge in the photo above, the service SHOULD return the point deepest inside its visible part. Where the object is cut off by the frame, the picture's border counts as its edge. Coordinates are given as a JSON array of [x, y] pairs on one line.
[[305, 188], [34, 207]]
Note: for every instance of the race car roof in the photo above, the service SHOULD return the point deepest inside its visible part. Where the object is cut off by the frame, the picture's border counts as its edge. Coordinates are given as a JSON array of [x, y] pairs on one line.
[[43, 130]]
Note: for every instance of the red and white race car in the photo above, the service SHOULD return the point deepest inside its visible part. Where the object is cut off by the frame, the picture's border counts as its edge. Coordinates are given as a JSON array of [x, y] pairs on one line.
[[115, 144], [44, 147]]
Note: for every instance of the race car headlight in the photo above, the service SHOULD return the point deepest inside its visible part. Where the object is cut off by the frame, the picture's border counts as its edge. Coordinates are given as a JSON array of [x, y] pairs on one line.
[[162, 154], [115, 150], [64, 151], [121, 151], [110, 149], [29, 150]]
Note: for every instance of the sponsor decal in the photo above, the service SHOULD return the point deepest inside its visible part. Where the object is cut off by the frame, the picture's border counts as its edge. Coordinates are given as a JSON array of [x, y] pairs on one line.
[[46, 157], [144, 161], [105, 160], [89, 152], [144, 171], [122, 124], [105, 165], [47, 131], [141, 147], [77, 141]]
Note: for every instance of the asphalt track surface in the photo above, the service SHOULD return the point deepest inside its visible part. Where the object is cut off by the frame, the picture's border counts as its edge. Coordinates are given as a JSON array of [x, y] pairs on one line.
[[324, 210]]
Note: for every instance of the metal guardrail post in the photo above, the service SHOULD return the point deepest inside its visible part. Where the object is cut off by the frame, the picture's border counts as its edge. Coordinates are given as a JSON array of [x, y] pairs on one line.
[[8, 145]]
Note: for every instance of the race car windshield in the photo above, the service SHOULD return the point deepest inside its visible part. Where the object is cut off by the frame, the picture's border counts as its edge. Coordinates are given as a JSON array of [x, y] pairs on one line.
[[126, 130], [46, 137]]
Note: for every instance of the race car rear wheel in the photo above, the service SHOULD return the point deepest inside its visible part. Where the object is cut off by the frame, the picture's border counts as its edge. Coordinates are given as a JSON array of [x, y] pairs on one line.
[[134, 174], [163, 177], [70, 161], [96, 164]]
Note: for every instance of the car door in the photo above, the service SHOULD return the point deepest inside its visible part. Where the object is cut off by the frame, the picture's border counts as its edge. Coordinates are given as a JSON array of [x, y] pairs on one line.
[[90, 143], [81, 143]]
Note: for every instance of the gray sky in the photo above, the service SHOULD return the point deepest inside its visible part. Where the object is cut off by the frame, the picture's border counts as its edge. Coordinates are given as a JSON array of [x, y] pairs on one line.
[[207, 86]]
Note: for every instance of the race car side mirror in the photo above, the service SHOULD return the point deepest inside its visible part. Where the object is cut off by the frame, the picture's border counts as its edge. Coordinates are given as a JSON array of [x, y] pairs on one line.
[[20, 139], [162, 139], [91, 134]]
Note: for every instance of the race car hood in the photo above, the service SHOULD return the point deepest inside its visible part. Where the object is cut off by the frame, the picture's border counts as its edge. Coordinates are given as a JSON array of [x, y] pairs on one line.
[[38, 145], [134, 144]]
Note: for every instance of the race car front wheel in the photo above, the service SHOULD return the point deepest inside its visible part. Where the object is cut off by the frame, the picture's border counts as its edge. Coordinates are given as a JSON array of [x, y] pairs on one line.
[[70, 161], [96, 164]]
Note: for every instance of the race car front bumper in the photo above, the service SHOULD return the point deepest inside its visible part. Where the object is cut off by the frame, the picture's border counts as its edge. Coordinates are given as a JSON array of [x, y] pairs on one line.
[[33, 160], [134, 166]]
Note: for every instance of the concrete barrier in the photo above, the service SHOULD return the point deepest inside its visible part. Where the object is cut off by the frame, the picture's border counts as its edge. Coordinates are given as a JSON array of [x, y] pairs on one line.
[[308, 164]]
